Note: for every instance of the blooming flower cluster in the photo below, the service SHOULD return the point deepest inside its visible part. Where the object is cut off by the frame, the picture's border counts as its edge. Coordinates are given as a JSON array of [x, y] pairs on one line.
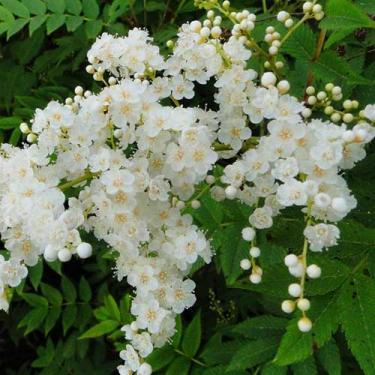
[[134, 156]]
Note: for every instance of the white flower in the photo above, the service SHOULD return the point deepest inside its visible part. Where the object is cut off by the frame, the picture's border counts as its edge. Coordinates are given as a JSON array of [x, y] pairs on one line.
[[284, 169], [180, 295], [292, 192], [261, 218], [117, 180], [130, 356], [321, 236]]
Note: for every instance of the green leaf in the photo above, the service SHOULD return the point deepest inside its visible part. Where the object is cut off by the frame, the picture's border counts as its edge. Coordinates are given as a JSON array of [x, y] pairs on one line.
[[16, 26], [90, 9], [176, 339], [34, 300], [74, 6], [117, 9], [261, 326], [192, 337], [357, 306], [93, 28], [73, 22], [10, 122], [343, 14], [56, 6], [15, 137], [36, 7], [180, 366], [69, 290], [112, 308], [254, 353], [52, 318], [85, 293], [336, 36], [69, 317], [54, 22], [100, 329], [271, 369], [17, 8], [295, 345], [36, 22], [35, 274], [308, 366], [161, 358], [329, 357], [52, 294], [301, 44]]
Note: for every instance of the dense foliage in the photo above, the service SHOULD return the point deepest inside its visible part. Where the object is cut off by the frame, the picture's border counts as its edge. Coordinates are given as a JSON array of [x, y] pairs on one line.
[[66, 319]]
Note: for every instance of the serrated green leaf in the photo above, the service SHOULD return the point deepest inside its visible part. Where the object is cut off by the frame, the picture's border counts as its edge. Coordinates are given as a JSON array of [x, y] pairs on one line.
[[90, 9], [117, 9], [192, 336], [329, 358], [36, 22], [69, 290], [308, 366], [357, 306], [16, 26], [52, 294], [51, 319], [15, 137], [295, 345], [112, 308], [17, 8], [343, 14], [33, 319], [176, 339], [56, 6], [93, 28], [301, 44], [36, 7], [74, 6], [261, 326], [271, 369], [253, 353], [337, 36], [85, 293], [161, 358], [180, 366], [54, 22], [35, 274], [6, 15], [100, 329], [68, 317], [34, 299], [73, 22]]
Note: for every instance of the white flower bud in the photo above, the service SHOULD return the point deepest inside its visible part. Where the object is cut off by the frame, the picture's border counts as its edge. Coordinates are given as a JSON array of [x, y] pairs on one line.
[[78, 90], [248, 234], [230, 192], [328, 110], [64, 255], [84, 250], [195, 204], [195, 26], [255, 252], [226, 4], [336, 90], [50, 253], [288, 23], [306, 112], [282, 16], [310, 90], [90, 69], [112, 81], [207, 23], [245, 264], [296, 271], [347, 104], [283, 86], [210, 14], [170, 43], [335, 117], [216, 32], [307, 6], [270, 29], [255, 278], [321, 95], [313, 271], [279, 64], [295, 290], [291, 260], [328, 87], [304, 324], [205, 32], [288, 306], [311, 100], [24, 128], [303, 304], [273, 50], [144, 369], [348, 118], [268, 79], [31, 138], [317, 8]]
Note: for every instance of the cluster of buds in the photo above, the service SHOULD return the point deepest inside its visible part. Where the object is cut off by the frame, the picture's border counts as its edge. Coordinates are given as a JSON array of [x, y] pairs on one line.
[[285, 18], [272, 37], [314, 10]]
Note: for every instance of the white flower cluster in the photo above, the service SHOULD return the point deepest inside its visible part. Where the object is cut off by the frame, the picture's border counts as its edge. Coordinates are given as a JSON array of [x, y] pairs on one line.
[[135, 155]]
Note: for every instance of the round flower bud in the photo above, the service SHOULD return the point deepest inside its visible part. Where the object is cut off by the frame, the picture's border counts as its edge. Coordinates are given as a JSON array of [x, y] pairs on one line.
[[112, 81], [347, 104], [282, 16], [255, 252], [180, 205], [311, 100], [307, 6], [288, 23], [245, 264], [255, 278], [328, 87], [205, 32], [317, 8], [355, 104], [207, 23], [273, 50], [348, 118], [78, 90], [313, 271], [217, 193], [291, 260], [348, 136], [87, 93], [296, 271], [268, 38], [319, 16], [84, 250], [230, 192], [268, 79], [217, 21], [267, 64], [335, 117], [216, 32], [339, 204], [336, 90], [195, 204], [118, 133], [322, 200], [226, 4], [328, 110], [303, 304], [288, 306], [306, 112], [295, 290], [24, 128], [283, 86], [50, 253], [210, 179], [310, 90], [64, 255], [270, 29], [279, 64], [210, 14], [170, 43], [144, 369], [304, 324], [195, 26], [90, 69], [69, 101], [31, 138], [321, 95], [248, 233]]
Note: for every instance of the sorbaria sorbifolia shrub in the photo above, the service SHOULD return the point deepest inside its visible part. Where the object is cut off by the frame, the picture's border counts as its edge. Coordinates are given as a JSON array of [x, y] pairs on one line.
[[136, 154]]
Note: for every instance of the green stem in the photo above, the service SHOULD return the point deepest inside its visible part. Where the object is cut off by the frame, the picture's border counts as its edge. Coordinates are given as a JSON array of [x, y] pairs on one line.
[[77, 180], [264, 5], [191, 359], [294, 28], [180, 5]]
